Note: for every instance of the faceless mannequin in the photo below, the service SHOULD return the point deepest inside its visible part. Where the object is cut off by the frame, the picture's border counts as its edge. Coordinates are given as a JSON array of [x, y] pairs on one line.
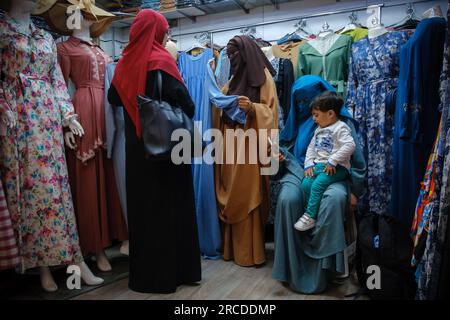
[[20, 12], [268, 52], [376, 29], [84, 34]]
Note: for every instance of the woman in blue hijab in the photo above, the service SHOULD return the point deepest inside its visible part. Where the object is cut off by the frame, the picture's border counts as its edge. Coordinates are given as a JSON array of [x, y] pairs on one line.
[[308, 260]]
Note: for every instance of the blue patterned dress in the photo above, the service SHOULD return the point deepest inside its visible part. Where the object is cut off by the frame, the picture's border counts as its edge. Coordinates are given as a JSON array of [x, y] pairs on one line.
[[368, 89]]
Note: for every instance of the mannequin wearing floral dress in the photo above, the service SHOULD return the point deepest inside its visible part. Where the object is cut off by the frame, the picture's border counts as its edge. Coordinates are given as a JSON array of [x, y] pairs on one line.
[[35, 105]]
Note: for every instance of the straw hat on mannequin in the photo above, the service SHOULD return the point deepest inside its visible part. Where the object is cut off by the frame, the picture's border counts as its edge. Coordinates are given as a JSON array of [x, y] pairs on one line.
[[55, 14]]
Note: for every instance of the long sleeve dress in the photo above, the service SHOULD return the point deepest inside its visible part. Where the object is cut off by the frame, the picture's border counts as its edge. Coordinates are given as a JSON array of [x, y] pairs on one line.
[[194, 70], [368, 91], [115, 140], [32, 161], [164, 246], [327, 57], [416, 114], [91, 173]]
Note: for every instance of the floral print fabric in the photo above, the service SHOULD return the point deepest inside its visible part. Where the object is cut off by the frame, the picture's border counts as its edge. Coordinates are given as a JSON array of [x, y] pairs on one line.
[[368, 88], [32, 160]]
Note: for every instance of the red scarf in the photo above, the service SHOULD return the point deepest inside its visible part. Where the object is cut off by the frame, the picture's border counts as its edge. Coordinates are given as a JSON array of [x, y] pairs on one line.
[[143, 53]]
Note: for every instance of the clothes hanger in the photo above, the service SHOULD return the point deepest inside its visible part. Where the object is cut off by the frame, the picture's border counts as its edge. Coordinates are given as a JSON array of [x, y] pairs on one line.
[[353, 24], [325, 30], [301, 29], [410, 21], [198, 44]]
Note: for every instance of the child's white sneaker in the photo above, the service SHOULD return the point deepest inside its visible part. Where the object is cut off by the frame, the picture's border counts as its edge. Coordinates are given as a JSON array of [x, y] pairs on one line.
[[304, 223]]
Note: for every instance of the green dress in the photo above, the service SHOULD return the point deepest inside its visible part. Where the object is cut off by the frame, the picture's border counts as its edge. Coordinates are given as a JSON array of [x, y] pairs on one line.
[[357, 33], [327, 57]]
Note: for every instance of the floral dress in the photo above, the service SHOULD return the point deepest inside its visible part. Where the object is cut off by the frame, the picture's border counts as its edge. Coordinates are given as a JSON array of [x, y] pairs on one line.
[[368, 89], [32, 160]]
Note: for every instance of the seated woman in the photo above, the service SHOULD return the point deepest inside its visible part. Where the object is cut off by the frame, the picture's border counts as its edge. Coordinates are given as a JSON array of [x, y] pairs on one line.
[[308, 260]]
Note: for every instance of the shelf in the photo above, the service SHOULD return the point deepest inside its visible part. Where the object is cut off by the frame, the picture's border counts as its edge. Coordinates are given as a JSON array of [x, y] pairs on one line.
[[190, 12], [206, 7]]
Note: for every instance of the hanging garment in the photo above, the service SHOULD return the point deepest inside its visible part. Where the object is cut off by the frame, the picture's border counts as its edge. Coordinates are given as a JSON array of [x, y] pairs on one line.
[[416, 114], [115, 140], [327, 57], [284, 79], [32, 161], [91, 173], [223, 68], [194, 70], [424, 207], [357, 33], [289, 51], [9, 252], [434, 278], [370, 82]]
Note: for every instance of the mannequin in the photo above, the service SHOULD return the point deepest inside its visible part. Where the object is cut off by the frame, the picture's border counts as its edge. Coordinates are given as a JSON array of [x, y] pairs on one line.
[[97, 208], [172, 48], [374, 24], [18, 16], [377, 31], [434, 12]]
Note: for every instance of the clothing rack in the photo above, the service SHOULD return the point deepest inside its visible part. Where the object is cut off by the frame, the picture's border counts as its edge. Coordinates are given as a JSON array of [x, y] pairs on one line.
[[316, 15]]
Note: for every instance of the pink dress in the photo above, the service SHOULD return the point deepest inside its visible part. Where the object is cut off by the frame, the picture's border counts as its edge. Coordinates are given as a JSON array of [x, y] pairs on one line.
[[9, 252], [91, 173]]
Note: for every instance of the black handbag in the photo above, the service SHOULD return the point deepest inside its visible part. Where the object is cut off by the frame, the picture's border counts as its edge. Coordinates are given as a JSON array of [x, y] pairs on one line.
[[158, 121]]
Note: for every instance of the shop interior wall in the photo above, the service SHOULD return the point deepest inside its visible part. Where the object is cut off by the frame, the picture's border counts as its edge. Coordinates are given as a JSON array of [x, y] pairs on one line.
[[389, 16]]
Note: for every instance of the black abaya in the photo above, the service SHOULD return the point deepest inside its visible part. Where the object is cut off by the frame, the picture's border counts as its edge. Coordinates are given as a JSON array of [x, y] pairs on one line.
[[164, 248]]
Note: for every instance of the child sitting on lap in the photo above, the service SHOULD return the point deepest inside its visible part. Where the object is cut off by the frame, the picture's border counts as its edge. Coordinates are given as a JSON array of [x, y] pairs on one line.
[[328, 155]]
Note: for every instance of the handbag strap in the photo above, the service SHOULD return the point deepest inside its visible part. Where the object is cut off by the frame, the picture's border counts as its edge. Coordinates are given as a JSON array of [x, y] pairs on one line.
[[158, 85], [372, 53]]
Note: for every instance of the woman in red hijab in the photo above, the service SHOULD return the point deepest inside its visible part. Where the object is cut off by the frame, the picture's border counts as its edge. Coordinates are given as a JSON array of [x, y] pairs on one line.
[[164, 248]]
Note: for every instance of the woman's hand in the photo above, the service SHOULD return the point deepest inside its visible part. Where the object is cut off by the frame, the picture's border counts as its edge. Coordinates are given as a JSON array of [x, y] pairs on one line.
[[245, 104], [353, 201]]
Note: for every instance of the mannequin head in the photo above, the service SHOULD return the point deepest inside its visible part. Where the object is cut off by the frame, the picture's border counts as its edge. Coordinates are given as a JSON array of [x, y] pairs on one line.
[[85, 22]]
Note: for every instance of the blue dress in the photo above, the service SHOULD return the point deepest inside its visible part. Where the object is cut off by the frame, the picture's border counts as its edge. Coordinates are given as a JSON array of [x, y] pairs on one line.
[[368, 92], [202, 87], [416, 114]]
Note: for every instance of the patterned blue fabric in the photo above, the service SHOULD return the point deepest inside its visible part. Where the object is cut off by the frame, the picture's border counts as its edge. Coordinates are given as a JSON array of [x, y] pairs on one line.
[[367, 91], [416, 114], [430, 267], [150, 4]]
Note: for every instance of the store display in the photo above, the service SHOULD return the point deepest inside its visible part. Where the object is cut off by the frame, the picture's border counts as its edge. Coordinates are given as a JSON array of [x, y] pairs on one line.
[[75, 175]]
